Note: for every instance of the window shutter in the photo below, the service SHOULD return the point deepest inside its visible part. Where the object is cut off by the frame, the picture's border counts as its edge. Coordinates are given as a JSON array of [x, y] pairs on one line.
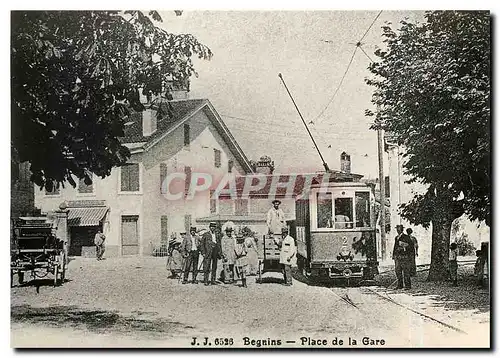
[[213, 203], [163, 176], [387, 187], [217, 158], [129, 177], [187, 171], [164, 230]]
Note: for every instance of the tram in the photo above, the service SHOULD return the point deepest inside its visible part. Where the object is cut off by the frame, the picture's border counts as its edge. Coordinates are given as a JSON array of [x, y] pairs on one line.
[[335, 232], [335, 226]]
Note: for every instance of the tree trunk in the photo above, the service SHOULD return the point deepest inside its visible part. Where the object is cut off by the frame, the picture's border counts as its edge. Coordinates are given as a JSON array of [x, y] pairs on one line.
[[441, 229], [445, 210]]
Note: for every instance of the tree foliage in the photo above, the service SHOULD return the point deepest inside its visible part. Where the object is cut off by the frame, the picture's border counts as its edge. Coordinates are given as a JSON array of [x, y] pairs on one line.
[[75, 77], [432, 85]]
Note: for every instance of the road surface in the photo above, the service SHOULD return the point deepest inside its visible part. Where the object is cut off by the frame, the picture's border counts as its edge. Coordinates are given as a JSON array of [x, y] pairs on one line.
[[130, 302]]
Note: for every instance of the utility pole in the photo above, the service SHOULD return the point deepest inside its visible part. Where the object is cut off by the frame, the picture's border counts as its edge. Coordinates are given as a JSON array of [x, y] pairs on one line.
[[381, 179]]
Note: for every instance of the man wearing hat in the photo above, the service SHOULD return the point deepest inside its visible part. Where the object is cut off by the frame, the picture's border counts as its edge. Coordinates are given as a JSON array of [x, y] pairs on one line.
[[190, 251], [210, 247], [228, 255], [402, 254], [275, 220], [288, 256]]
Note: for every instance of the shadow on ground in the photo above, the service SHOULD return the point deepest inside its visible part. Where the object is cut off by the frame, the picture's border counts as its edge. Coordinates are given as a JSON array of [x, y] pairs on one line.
[[467, 296], [97, 321], [269, 280], [341, 282], [41, 282]]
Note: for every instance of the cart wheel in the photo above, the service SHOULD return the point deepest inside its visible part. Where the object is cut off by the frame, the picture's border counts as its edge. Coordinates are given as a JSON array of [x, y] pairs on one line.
[[56, 271]]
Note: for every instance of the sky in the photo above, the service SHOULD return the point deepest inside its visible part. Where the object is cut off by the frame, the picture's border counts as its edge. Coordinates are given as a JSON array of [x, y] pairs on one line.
[[241, 80]]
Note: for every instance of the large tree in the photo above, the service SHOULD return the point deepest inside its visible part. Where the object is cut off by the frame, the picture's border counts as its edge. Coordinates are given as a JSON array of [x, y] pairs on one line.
[[432, 85], [75, 77]]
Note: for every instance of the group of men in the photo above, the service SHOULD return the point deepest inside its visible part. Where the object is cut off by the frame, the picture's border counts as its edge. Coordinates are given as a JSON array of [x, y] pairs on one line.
[[214, 246], [404, 255], [209, 246]]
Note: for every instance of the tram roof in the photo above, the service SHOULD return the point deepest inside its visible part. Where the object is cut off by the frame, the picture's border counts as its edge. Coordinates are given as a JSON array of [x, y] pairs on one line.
[[301, 182]]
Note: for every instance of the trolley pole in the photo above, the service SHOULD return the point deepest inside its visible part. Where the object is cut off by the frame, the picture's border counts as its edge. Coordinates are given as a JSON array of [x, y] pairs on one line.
[[381, 179]]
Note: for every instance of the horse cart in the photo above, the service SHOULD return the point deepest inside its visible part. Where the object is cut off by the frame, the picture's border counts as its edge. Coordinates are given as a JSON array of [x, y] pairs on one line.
[[35, 249]]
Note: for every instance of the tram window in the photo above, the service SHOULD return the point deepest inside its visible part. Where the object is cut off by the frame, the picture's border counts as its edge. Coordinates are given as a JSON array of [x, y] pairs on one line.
[[343, 213], [324, 202], [362, 209]]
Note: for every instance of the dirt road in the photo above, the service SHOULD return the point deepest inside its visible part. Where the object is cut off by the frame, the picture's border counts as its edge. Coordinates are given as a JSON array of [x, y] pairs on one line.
[[130, 302]]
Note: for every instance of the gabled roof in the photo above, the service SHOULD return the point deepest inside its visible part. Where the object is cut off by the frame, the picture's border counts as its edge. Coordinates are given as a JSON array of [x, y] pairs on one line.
[[179, 111], [176, 113]]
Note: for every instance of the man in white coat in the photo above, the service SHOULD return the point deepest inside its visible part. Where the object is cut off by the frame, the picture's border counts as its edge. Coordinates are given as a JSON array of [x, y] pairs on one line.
[[288, 256], [275, 221]]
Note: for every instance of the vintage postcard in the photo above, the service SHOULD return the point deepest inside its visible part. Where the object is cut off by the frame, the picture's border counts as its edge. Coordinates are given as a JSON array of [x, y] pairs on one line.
[[250, 179]]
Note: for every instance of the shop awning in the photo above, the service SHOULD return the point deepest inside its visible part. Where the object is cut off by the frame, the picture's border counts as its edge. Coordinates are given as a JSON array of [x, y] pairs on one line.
[[86, 216]]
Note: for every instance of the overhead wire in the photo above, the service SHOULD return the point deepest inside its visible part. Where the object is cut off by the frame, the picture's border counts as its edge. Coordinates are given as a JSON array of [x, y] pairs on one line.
[[373, 22], [273, 128], [361, 48], [358, 44], [338, 87]]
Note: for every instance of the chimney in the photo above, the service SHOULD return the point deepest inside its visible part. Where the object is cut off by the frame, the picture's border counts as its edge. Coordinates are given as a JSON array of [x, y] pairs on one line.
[[345, 163], [148, 122], [264, 166]]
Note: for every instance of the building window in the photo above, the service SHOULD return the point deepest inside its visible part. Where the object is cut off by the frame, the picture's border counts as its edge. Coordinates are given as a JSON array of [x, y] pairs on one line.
[[343, 213], [54, 191], [241, 207], [387, 187], [83, 188], [213, 202], [225, 207], [217, 158], [230, 165], [324, 210], [187, 171], [187, 133], [362, 209], [163, 176], [164, 230], [129, 177]]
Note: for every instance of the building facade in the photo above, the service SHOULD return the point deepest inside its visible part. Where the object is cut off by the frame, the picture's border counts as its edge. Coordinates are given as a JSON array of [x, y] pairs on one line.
[[130, 206], [401, 192]]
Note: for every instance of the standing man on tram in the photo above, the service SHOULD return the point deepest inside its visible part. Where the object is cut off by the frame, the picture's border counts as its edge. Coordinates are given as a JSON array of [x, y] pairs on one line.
[[276, 221]]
